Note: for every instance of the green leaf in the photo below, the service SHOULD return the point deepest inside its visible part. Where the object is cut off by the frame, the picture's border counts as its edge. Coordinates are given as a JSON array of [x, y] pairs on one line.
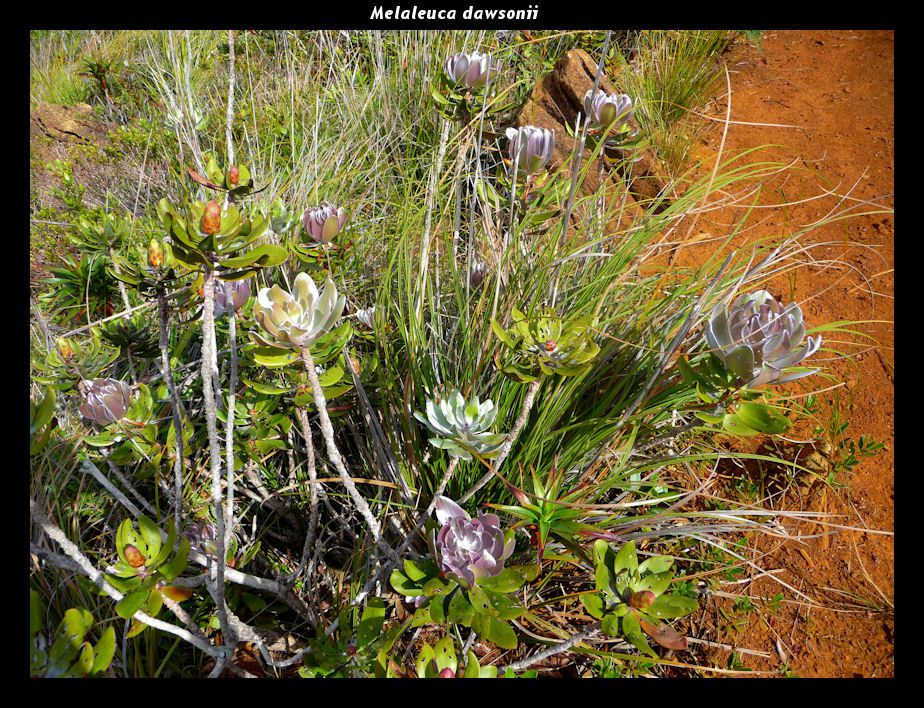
[[632, 631], [265, 256], [166, 547], [656, 582], [502, 334], [610, 625], [136, 628], [43, 412], [131, 603], [510, 579], [105, 650], [424, 657], [734, 425], [69, 636], [403, 584], [503, 605], [499, 632], [81, 667], [438, 607], [370, 626], [265, 388], [626, 558], [593, 602], [154, 603], [421, 617], [418, 570], [656, 564], [178, 563], [460, 610], [273, 357], [763, 418], [472, 667], [151, 536], [35, 613], [445, 654], [671, 606]]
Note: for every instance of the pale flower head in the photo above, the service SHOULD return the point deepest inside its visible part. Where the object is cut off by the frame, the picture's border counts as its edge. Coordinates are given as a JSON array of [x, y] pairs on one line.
[[603, 109], [298, 319], [530, 148], [471, 70], [469, 548], [230, 296], [324, 222], [106, 400]]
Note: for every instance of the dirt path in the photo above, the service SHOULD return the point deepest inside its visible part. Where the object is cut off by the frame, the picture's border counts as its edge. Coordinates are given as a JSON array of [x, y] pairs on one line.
[[837, 87]]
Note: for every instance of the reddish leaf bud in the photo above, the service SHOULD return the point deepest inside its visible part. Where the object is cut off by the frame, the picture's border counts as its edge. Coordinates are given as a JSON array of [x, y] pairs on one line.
[[211, 219], [155, 254]]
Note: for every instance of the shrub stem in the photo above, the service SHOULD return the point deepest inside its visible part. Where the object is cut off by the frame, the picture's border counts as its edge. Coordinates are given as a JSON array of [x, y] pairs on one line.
[[508, 444]]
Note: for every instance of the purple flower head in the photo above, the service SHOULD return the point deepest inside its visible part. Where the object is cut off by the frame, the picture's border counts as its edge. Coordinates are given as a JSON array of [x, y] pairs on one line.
[[324, 222], [202, 537], [757, 338], [472, 70], [107, 400], [530, 148], [477, 273], [603, 109], [231, 296], [469, 548]]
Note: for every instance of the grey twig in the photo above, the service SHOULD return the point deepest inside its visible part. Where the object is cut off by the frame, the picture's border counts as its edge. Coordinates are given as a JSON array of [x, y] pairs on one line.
[[208, 393], [327, 430], [564, 646], [508, 444], [176, 407]]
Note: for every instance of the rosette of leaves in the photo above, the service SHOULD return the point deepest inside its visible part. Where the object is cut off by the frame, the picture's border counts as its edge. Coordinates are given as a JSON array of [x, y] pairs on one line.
[[105, 400], [545, 345], [609, 117], [298, 319], [110, 232], [631, 598], [463, 428], [235, 179], [207, 233], [320, 226], [72, 360], [69, 654], [145, 566], [358, 649], [81, 287], [282, 219], [134, 334], [529, 149], [547, 512], [440, 661], [468, 583], [41, 414], [148, 269], [469, 548], [485, 606]]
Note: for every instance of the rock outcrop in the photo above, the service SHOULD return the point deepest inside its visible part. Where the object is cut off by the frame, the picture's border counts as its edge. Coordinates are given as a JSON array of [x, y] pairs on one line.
[[67, 124], [555, 103]]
